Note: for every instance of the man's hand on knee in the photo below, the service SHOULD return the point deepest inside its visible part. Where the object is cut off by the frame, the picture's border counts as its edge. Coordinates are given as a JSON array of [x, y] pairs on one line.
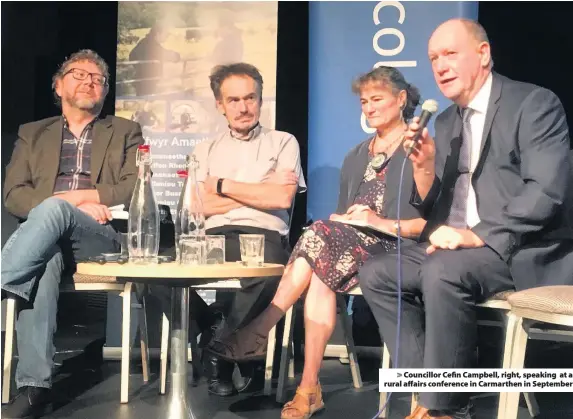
[[450, 238], [99, 212]]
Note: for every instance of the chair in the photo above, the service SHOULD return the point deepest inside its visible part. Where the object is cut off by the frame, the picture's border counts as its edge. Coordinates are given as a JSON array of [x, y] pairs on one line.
[[549, 305], [287, 353], [88, 283], [496, 302], [219, 285], [225, 285]]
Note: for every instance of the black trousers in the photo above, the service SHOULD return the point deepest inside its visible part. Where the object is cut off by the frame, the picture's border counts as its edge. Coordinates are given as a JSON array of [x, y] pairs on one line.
[[239, 306], [438, 315], [256, 293]]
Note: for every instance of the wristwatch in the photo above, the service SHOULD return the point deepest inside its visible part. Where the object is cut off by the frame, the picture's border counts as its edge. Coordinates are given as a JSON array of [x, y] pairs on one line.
[[220, 187], [396, 226]]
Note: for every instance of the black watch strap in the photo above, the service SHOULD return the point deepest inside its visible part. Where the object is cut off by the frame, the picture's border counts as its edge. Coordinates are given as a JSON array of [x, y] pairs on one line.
[[220, 186]]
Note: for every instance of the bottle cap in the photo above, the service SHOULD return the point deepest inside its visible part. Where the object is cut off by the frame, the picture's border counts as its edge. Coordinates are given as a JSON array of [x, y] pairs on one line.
[[182, 173], [144, 147]]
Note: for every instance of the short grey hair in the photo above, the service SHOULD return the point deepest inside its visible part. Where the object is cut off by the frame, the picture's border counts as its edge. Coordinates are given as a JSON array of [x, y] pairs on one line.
[[476, 30], [221, 73], [81, 55]]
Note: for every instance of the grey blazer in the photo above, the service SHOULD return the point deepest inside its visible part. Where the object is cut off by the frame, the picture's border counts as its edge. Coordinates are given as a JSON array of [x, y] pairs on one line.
[[351, 175], [523, 182], [31, 174]]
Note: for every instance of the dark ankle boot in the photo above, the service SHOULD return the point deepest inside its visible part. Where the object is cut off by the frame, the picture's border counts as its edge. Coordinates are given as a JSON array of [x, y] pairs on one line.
[[31, 402], [219, 376]]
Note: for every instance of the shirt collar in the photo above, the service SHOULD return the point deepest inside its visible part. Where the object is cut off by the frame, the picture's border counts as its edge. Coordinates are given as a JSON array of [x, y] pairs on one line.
[[253, 133], [480, 102], [67, 126]]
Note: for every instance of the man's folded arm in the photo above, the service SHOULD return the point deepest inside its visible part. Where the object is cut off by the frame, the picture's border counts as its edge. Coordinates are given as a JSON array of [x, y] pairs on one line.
[[263, 196]]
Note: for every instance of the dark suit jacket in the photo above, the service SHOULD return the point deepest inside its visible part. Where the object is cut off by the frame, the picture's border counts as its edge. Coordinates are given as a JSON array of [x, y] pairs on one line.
[[351, 175], [32, 172], [523, 182]]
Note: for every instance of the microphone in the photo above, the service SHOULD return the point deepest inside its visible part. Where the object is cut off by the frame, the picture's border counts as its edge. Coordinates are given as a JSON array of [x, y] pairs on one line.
[[429, 107]]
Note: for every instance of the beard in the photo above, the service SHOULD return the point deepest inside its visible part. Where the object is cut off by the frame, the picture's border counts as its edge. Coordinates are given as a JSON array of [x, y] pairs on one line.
[[245, 129], [85, 104]]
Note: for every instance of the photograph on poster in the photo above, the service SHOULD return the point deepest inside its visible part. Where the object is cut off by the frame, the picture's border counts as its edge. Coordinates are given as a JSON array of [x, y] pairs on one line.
[[165, 53]]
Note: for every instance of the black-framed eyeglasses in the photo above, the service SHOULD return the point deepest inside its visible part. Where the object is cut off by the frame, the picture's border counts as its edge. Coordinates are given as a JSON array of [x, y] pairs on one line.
[[79, 74]]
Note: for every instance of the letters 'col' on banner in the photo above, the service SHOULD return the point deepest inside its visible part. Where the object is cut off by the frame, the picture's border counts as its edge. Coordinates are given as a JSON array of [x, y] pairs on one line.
[[346, 40]]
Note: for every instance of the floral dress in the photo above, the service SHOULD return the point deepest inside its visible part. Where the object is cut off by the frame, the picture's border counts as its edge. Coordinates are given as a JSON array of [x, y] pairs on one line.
[[335, 251]]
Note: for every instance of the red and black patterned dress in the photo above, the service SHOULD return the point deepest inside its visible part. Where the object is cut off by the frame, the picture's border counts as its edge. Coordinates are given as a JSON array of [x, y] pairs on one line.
[[336, 251]]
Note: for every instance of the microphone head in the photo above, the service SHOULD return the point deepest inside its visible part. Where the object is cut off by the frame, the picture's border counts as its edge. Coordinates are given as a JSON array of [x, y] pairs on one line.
[[430, 105]]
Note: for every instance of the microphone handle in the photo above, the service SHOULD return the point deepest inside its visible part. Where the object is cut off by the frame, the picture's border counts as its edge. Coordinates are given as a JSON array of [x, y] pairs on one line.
[[424, 119]]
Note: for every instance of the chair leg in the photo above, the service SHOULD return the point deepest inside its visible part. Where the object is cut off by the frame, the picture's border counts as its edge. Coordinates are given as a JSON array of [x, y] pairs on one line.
[[195, 360], [517, 362], [510, 330], [8, 348], [143, 340], [163, 356], [271, 344], [350, 348], [291, 361], [384, 406], [125, 343], [413, 403], [532, 405], [285, 355]]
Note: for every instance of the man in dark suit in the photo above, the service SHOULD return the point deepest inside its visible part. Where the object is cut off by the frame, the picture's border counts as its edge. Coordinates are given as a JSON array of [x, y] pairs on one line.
[[496, 188], [64, 173]]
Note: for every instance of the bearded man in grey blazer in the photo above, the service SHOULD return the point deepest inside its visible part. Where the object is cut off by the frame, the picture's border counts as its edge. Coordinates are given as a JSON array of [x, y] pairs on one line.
[[64, 174]]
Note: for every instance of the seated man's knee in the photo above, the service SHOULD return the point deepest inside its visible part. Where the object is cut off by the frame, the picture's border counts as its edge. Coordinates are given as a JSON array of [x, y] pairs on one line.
[[441, 271], [249, 283], [53, 207], [376, 273]]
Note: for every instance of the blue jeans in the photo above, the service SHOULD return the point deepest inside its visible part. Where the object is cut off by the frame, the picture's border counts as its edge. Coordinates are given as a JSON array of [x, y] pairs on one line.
[[55, 236]]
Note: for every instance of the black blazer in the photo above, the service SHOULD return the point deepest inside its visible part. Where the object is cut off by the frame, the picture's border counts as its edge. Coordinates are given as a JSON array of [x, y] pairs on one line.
[[352, 173], [523, 182]]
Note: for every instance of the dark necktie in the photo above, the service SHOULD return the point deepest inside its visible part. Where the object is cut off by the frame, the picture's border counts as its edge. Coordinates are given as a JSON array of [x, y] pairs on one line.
[[458, 211]]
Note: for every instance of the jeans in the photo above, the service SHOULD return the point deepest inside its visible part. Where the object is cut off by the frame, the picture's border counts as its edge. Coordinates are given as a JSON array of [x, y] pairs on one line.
[[55, 236]]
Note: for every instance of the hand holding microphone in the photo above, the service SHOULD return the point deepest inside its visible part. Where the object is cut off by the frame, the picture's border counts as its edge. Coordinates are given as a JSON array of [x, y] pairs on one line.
[[418, 144]]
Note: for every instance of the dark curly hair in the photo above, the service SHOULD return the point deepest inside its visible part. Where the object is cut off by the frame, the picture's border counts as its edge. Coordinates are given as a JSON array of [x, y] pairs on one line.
[[392, 77], [221, 73], [82, 55]]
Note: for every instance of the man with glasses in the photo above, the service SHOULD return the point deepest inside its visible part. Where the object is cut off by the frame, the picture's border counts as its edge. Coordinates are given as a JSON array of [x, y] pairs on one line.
[[65, 173]]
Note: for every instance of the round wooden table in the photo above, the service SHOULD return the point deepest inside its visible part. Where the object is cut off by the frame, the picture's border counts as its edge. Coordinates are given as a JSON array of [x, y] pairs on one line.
[[179, 278]]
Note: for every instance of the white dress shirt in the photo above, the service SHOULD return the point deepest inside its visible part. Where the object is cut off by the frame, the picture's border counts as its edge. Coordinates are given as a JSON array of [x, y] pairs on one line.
[[477, 121]]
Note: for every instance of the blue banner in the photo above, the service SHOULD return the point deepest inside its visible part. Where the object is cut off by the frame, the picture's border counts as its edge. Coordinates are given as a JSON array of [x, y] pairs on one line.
[[347, 39]]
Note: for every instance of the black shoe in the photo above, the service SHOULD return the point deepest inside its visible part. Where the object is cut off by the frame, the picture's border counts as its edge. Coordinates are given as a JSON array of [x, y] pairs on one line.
[[468, 412], [30, 403], [249, 377], [219, 376]]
